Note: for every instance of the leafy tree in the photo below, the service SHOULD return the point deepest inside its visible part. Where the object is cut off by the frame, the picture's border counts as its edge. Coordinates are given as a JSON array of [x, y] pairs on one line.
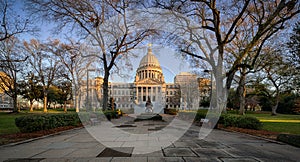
[[279, 74], [294, 51], [64, 93], [262, 91], [294, 45], [232, 99], [30, 89], [53, 96], [287, 103]]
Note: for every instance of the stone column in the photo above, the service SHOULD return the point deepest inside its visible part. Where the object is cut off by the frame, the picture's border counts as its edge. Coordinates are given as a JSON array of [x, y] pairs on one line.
[[147, 93], [137, 94], [142, 93], [151, 92]]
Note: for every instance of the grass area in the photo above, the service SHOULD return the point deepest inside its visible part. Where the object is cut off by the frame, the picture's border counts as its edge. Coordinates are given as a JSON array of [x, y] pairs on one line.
[[282, 123], [7, 120], [282, 127]]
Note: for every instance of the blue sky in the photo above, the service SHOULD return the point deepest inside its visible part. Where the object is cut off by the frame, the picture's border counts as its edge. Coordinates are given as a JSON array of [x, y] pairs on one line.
[[170, 63]]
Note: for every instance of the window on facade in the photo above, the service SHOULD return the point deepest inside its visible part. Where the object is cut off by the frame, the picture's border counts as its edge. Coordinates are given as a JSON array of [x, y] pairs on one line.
[[144, 98], [153, 98]]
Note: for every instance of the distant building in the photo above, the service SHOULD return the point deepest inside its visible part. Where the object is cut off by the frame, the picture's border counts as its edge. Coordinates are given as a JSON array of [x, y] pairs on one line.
[[5, 100], [149, 82]]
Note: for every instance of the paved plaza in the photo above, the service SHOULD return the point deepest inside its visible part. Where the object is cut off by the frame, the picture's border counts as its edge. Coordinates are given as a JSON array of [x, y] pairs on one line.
[[80, 145]]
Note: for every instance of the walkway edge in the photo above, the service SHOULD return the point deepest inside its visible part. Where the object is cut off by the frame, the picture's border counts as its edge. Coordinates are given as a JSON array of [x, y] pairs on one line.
[[37, 138], [258, 137]]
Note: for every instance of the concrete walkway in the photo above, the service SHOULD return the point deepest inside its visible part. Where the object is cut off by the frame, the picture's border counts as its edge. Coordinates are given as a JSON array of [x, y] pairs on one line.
[[79, 145]]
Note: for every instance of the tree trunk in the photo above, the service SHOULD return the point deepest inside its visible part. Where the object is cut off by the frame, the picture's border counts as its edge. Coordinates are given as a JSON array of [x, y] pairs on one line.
[[15, 96], [219, 95], [31, 105], [76, 102], [274, 107], [105, 90], [242, 93], [65, 106], [45, 103], [76, 99], [15, 103]]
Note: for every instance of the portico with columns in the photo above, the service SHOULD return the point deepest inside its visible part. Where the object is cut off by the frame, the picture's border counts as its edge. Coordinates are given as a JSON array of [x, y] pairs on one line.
[[149, 79]]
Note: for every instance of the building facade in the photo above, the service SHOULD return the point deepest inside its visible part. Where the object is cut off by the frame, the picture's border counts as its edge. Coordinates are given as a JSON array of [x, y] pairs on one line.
[[149, 82]]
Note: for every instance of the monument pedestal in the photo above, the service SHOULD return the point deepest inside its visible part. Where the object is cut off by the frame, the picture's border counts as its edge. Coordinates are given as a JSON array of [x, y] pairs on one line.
[[148, 116]]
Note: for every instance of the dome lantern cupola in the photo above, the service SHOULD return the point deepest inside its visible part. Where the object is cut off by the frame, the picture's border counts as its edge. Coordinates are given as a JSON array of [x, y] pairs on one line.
[[149, 68]]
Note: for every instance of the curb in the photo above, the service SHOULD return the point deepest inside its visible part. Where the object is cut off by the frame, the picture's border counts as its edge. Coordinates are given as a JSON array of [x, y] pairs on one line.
[[37, 138]]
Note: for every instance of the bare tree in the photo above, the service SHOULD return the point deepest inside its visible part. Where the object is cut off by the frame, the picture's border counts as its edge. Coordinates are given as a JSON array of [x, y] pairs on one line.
[[223, 21], [70, 55], [104, 22], [11, 63], [44, 63], [12, 24]]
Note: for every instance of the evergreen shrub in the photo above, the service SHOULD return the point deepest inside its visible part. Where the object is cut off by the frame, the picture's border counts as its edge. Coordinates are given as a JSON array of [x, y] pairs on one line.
[[32, 123]]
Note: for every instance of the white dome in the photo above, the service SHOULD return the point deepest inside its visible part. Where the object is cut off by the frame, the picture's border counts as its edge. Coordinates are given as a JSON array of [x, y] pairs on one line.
[[149, 69], [149, 60]]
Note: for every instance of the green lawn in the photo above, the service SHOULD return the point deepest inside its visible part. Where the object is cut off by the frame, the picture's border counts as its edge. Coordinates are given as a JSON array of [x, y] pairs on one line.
[[7, 122], [290, 128], [282, 123]]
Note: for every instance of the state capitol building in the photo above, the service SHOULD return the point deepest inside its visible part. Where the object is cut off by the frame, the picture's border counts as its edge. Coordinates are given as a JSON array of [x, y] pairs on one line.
[[185, 93]]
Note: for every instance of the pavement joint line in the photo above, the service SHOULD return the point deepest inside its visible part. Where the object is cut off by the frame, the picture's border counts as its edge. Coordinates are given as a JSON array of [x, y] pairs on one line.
[[37, 138], [39, 153], [194, 152]]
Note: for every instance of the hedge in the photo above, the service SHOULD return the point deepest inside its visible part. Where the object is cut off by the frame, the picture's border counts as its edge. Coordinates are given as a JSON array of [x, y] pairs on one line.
[[289, 139], [32, 123], [247, 122], [228, 120]]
